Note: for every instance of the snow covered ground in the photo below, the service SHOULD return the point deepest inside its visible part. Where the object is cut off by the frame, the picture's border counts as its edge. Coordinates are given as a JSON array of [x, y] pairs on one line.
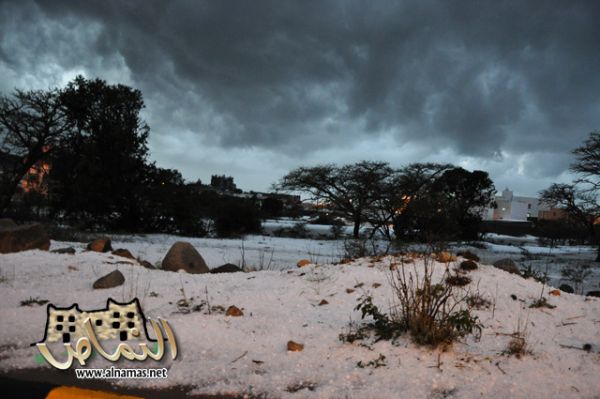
[[262, 252], [248, 356]]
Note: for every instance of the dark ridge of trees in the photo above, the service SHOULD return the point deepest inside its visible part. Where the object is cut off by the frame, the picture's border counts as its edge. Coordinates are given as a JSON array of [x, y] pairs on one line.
[[426, 202]]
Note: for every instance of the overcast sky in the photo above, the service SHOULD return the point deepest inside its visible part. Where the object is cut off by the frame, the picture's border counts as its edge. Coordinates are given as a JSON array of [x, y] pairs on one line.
[[254, 88]]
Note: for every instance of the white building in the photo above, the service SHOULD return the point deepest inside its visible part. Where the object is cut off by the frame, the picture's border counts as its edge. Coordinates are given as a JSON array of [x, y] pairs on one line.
[[514, 208]]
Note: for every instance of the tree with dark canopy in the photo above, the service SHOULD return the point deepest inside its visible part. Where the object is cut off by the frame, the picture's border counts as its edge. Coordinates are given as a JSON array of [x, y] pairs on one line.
[[32, 123], [446, 203], [349, 189], [99, 172]]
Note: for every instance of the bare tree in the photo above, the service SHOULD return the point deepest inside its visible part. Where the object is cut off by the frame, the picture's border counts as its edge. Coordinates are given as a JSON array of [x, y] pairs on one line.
[[31, 123], [580, 199]]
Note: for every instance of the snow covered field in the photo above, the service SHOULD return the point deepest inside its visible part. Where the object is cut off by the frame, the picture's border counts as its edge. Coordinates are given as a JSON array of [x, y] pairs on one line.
[[248, 356]]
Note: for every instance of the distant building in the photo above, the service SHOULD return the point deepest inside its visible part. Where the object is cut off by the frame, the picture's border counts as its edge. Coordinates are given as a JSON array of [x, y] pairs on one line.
[[512, 207]]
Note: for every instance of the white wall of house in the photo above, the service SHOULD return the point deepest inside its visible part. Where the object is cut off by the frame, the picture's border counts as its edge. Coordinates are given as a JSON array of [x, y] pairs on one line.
[[515, 208]]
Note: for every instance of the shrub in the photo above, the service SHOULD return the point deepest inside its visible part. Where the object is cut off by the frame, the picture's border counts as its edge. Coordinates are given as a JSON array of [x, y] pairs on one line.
[[237, 216], [518, 345], [529, 272], [432, 313], [541, 303], [576, 274]]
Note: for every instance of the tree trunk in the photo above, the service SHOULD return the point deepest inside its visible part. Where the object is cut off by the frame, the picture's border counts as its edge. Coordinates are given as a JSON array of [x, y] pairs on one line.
[[356, 231], [9, 191]]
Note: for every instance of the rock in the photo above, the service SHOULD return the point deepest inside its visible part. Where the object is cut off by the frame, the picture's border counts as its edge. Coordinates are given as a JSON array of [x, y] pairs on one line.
[[183, 256], [468, 255], [554, 293], [566, 288], [226, 268], [593, 293], [124, 253], [112, 279], [376, 285], [445, 257], [323, 302], [146, 264], [234, 311], [508, 265], [349, 290], [6, 222], [303, 262], [294, 346], [24, 237], [100, 245], [67, 251], [468, 265]]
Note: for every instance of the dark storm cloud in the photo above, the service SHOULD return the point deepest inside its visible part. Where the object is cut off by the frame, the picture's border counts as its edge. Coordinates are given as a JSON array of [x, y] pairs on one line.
[[483, 78]]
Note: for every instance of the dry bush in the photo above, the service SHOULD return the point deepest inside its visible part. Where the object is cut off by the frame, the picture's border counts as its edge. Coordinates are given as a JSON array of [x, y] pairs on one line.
[[433, 313]]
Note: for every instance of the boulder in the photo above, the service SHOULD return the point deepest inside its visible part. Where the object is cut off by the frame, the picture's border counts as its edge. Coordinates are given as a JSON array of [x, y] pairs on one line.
[[183, 256], [64, 251], [508, 265], [468, 255], [112, 279], [566, 288], [15, 238], [226, 268], [5, 222], [468, 265], [124, 253], [593, 293], [100, 245]]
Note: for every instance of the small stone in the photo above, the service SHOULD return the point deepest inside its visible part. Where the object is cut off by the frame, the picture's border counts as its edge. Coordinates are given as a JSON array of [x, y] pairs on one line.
[[349, 290], [234, 311], [323, 302], [376, 285], [124, 253], [303, 262], [294, 346], [112, 279], [64, 251], [146, 264], [100, 245], [226, 268]]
